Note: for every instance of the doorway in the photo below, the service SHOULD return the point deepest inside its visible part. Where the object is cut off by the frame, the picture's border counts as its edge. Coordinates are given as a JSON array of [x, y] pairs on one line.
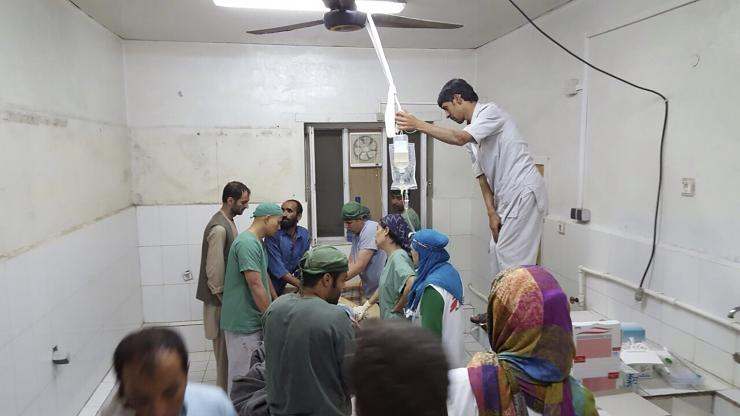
[[349, 162]]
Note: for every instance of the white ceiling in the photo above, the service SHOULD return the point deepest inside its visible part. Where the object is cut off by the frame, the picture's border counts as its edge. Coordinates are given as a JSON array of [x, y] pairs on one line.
[[202, 21]]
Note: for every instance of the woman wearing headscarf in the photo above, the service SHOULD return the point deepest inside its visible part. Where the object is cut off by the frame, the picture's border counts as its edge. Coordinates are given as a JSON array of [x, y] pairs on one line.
[[436, 298], [398, 274], [531, 336]]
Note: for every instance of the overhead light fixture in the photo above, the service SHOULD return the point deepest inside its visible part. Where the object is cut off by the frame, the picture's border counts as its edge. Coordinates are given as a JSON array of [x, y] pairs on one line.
[[367, 6]]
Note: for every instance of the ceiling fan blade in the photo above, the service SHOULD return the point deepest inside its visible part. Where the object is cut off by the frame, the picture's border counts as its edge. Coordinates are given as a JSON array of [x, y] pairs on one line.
[[286, 28], [388, 20]]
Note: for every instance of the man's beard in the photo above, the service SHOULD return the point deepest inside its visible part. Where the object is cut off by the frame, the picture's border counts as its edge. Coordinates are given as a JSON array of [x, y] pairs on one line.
[[286, 224]]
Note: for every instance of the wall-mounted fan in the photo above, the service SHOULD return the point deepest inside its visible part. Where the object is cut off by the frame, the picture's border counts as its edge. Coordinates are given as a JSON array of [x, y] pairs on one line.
[[365, 149], [343, 16]]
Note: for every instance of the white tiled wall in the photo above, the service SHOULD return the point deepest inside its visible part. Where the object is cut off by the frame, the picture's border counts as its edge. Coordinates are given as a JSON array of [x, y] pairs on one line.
[[170, 238], [80, 292], [697, 279]]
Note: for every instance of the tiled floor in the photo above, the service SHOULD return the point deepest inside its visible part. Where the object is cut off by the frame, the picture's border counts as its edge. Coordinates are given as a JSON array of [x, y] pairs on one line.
[[202, 367]]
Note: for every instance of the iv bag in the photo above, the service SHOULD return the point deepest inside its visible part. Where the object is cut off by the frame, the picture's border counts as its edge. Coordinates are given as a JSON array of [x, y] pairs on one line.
[[403, 163]]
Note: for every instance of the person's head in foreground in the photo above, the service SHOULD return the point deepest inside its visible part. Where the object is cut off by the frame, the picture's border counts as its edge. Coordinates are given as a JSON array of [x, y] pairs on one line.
[[354, 216], [397, 202], [458, 99], [266, 219], [323, 271], [393, 233], [292, 213], [531, 335], [235, 198], [152, 370], [398, 369]]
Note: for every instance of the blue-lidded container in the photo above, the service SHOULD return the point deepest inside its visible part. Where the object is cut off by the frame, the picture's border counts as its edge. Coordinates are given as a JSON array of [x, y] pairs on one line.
[[633, 330]]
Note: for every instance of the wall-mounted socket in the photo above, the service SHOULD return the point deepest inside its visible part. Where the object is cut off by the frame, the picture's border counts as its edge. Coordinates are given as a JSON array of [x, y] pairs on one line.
[[187, 276], [561, 228], [688, 187]]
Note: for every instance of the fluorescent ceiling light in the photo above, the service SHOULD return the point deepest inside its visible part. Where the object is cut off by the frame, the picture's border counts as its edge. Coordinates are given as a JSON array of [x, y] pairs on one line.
[[367, 6]]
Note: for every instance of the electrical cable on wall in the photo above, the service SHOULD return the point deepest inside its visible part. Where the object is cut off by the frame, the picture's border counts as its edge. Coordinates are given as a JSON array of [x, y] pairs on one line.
[[640, 292]]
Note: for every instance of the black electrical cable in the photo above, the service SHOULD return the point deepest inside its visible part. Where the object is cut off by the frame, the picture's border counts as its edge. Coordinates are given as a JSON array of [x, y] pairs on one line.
[[662, 135]]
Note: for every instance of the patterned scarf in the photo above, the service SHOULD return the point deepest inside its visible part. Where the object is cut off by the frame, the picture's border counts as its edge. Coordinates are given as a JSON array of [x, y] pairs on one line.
[[531, 335]]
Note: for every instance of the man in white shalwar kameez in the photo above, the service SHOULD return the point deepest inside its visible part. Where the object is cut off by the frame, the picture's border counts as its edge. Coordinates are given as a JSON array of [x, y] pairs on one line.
[[513, 189]]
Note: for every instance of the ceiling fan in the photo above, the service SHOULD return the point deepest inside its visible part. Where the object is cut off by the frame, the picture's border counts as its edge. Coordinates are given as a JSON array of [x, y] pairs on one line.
[[344, 16]]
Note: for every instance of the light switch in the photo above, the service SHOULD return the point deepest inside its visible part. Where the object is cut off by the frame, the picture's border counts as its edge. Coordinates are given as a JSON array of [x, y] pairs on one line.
[[688, 186]]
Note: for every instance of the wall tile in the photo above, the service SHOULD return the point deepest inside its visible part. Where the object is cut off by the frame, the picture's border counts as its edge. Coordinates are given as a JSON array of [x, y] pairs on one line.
[[679, 342], [194, 252], [460, 219], [198, 217], [719, 286], [150, 264], [680, 276], [153, 303], [174, 227], [719, 336], [597, 250], [5, 320], [149, 225], [196, 306], [441, 215], [174, 263], [177, 303], [17, 273], [7, 380], [552, 247], [459, 249], [713, 360], [26, 379]]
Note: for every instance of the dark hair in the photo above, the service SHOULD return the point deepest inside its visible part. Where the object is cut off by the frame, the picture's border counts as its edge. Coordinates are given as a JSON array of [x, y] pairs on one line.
[[298, 206], [396, 192], [396, 239], [235, 190], [310, 280], [398, 369], [456, 86], [143, 346]]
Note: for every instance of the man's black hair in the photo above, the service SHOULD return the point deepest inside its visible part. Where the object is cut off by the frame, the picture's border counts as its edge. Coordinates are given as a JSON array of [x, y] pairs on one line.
[[298, 206], [143, 346], [396, 193], [397, 370], [456, 86], [310, 280], [235, 190]]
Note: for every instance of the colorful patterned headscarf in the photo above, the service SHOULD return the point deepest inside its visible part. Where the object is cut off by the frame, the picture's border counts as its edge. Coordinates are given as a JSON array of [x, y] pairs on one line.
[[531, 334], [399, 228]]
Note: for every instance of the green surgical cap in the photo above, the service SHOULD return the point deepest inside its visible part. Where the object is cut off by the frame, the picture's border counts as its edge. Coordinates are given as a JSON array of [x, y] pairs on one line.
[[324, 259], [354, 211], [267, 209]]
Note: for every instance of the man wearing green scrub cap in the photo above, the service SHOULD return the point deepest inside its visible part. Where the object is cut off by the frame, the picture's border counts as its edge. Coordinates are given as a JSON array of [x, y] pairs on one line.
[[365, 258], [307, 336], [248, 290]]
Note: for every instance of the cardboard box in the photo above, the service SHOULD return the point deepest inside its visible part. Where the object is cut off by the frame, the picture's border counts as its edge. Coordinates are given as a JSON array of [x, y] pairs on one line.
[[597, 363]]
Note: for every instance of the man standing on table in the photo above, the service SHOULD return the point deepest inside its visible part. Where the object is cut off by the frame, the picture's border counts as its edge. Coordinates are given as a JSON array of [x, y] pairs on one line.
[[220, 232], [286, 248], [248, 290], [365, 258], [513, 189]]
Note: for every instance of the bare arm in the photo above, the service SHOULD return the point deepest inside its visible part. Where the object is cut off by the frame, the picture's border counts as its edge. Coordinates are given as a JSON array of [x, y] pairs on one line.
[[292, 280], [374, 298], [406, 121], [494, 221], [404, 295], [363, 259], [260, 296]]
